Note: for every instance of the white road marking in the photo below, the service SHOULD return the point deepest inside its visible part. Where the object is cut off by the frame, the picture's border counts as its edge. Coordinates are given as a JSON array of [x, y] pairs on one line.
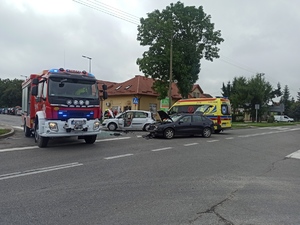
[[34, 147], [112, 139], [229, 138], [18, 149], [213, 141], [161, 149], [39, 170], [294, 155], [18, 127], [118, 156], [190, 144]]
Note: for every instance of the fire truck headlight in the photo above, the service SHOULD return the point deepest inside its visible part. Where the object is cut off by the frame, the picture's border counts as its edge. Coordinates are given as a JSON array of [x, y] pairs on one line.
[[87, 102], [69, 102], [75, 102], [81, 102], [53, 126], [97, 125]]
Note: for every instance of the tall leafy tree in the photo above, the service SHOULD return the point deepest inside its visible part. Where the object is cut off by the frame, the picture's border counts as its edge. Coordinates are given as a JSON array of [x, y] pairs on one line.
[[285, 99], [187, 33], [11, 92], [226, 90]]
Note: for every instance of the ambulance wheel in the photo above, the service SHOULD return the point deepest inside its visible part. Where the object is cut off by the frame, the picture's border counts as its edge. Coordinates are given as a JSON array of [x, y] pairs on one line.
[[27, 130], [42, 142], [217, 131], [90, 139]]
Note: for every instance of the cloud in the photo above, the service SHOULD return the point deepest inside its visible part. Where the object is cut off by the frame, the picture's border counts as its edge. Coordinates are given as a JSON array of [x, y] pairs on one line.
[[260, 37]]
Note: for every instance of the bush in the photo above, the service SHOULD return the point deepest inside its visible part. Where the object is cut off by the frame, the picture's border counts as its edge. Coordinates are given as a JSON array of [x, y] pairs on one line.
[[271, 119], [238, 117]]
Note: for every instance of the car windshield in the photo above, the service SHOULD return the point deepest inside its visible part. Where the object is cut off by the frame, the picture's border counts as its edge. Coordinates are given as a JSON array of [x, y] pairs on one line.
[[73, 88], [175, 117]]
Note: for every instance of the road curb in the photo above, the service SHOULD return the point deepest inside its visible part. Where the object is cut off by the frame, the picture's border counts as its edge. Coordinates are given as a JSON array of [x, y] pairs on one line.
[[10, 133]]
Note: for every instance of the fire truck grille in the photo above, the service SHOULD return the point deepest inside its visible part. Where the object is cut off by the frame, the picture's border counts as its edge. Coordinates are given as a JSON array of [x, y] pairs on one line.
[[64, 115]]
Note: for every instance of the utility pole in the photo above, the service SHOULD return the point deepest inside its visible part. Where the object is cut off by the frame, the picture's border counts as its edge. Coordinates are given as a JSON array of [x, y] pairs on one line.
[[171, 72]]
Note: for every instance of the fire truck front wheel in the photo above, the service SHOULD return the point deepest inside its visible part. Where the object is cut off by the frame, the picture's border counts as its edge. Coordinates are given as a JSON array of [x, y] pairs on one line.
[[27, 130], [42, 142], [90, 139]]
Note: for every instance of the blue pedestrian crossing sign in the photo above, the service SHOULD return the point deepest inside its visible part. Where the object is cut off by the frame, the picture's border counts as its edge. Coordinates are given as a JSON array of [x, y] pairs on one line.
[[135, 101]]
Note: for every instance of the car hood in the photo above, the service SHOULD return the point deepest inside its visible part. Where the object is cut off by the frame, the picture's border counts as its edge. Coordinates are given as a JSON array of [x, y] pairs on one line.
[[163, 115]]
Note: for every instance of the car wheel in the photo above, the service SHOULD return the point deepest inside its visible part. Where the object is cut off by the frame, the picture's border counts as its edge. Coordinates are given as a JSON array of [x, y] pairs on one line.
[[206, 132], [169, 133], [146, 127], [112, 126]]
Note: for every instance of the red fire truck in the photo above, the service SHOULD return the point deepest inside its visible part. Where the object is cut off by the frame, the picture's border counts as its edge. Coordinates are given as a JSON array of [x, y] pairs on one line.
[[61, 103]]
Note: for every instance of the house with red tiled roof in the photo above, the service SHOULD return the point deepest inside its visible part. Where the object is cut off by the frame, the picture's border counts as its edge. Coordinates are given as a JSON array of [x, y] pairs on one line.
[[123, 96]]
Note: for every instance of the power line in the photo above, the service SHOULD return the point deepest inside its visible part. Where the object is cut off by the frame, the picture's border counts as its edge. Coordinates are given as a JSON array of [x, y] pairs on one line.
[[110, 11]]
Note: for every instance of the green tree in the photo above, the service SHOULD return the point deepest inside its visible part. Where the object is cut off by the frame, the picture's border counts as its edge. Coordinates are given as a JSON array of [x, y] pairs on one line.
[[184, 33], [285, 99], [246, 93], [226, 90], [11, 92]]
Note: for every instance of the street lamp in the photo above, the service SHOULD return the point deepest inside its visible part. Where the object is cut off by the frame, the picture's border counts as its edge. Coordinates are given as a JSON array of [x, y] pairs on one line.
[[90, 62]]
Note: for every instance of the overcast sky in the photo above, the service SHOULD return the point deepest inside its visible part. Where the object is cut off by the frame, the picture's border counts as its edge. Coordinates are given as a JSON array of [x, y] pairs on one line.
[[260, 37]]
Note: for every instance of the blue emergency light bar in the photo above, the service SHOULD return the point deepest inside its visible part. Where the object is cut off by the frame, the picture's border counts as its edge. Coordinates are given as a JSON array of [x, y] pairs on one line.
[[62, 70]]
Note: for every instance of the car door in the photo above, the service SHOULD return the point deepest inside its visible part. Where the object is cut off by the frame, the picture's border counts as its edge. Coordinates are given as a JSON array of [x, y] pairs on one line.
[[183, 126], [128, 117], [197, 124], [138, 120]]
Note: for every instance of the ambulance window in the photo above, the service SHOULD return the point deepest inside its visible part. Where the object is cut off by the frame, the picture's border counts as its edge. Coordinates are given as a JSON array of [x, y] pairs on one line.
[[225, 109]]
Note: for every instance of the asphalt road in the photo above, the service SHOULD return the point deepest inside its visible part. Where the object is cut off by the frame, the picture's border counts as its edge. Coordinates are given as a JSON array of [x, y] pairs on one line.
[[242, 176]]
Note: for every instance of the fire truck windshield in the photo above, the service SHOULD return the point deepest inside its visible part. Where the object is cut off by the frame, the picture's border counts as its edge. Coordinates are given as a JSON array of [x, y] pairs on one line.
[[66, 87]]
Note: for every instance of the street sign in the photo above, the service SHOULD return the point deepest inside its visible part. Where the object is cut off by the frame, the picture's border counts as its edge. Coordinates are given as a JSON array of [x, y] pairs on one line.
[[135, 101]]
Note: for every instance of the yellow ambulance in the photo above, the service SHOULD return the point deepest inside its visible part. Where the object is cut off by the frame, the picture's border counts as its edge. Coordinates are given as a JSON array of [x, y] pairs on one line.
[[218, 109]]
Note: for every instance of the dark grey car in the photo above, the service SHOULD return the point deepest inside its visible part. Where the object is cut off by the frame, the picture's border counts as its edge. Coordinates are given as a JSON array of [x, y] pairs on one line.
[[184, 124]]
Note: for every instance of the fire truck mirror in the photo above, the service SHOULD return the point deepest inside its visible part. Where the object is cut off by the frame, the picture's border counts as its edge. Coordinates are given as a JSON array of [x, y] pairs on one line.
[[104, 87], [34, 91], [35, 81], [105, 95]]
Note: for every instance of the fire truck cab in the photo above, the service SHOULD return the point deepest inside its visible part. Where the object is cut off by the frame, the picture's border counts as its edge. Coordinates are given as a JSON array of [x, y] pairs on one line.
[[61, 103]]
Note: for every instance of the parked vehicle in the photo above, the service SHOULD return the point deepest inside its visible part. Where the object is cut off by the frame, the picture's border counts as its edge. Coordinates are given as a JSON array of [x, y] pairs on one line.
[[217, 109], [61, 103], [129, 120], [182, 124], [283, 118]]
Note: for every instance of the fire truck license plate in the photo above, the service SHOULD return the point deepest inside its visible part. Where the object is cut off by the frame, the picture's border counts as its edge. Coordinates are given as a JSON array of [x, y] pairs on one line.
[[78, 122]]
